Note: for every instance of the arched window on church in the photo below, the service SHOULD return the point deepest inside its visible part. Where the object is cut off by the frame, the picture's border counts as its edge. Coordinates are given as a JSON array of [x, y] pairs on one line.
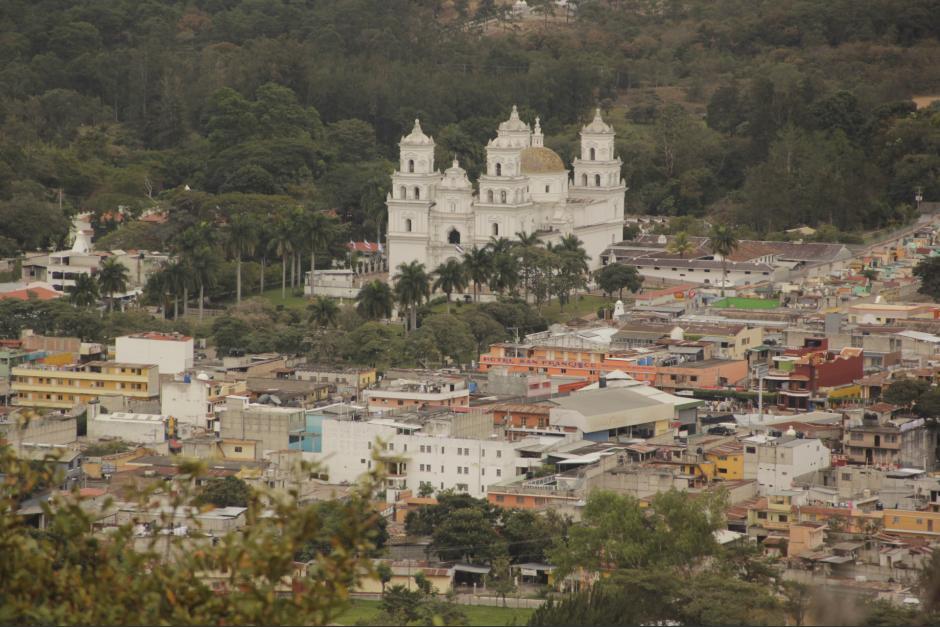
[[418, 192], [499, 169], [584, 180], [411, 165], [453, 237], [408, 225], [403, 192], [502, 197], [592, 154], [495, 229], [597, 180], [489, 195]]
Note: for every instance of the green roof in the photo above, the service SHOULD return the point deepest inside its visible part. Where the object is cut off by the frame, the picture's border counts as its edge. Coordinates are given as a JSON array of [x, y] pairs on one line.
[[746, 303]]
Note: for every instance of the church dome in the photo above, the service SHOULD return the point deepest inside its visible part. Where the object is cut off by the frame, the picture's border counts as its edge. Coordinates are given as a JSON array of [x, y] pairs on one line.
[[513, 123], [597, 125], [416, 137], [541, 160]]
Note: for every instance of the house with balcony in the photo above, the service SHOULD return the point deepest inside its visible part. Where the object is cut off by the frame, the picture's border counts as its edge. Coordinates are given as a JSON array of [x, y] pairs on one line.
[[62, 387], [891, 442], [803, 377]]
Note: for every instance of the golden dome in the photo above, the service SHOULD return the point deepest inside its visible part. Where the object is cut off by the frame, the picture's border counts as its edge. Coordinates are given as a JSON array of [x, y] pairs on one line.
[[541, 160]]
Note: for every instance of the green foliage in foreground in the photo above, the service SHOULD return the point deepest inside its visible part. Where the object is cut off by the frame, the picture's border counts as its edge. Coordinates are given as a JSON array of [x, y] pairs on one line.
[[69, 574]]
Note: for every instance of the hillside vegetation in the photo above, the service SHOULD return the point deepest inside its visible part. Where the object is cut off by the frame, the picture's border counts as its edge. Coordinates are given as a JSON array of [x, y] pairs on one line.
[[808, 116]]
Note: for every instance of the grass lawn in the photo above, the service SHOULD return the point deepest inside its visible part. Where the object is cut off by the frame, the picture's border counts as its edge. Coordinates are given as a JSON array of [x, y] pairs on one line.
[[580, 305], [290, 302], [476, 614], [746, 303]]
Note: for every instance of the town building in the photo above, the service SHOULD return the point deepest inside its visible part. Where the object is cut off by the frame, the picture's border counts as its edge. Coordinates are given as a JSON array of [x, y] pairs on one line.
[[18, 428], [433, 217], [777, 462], [802, 377], [751, 263], [348, 381], [444, 450], [890, 442], [66, 386], [424, 393], [272, 428], [172, 353], [196, 400]]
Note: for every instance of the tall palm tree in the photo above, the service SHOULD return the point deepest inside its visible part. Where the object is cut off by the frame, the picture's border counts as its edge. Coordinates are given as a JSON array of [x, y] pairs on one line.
[[525, 244], [723, 242], [499, 245], [242, 237], [264, 247], [282, 242], [412, 287], [112, 278], [375, 300], [505, 273], [177, 278], [680, 245], [324, 312], [85, 292], [320, 232], [203, 263], [478, 265], [451, 277]]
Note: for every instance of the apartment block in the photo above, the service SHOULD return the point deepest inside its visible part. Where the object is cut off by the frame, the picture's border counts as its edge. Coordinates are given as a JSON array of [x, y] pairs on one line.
[[66, 386], [171, 352]]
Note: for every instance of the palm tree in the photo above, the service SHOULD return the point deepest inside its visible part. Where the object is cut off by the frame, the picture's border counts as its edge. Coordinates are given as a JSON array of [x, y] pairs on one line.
[[112, 278], [451, 277], [525, 244], [680, 245], [282, 242], [722, 242], [324, 312], [242, 239], [375, 300], [499, 245], [505, 273], [478, 265], [177, 278], [412, 287], [203, 263], [85, 292], [319, 231]]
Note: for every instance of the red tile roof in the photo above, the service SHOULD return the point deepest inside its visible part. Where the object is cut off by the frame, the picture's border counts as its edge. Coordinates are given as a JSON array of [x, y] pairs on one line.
[[41, 293], [364, 247]]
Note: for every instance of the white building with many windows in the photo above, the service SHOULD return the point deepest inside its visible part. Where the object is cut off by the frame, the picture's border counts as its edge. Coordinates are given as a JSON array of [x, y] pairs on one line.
[[449, 452], [527, 188]]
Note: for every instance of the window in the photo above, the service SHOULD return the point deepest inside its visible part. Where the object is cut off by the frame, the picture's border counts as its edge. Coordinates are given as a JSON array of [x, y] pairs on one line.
[[495, 225], [453, 237], [592, 152], [723, 471], [858, 436], [597, 180], [783, 518], [417, 193], [362, 460], [489, 198], [762, 515], [499, 472], [548, 188], [584, 180], [463, 487], [238, 449], [411, 165], [846, 476], [500, 498], [459, 470], [408, 225], [499, 169], [502, 197], [466, 470], [895, 520], [466, 451], [459, 451], [751, 449], [499, 453]]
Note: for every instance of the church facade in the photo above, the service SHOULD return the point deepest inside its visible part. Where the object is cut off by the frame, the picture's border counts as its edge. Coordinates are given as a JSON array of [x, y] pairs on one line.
[[434, 216]]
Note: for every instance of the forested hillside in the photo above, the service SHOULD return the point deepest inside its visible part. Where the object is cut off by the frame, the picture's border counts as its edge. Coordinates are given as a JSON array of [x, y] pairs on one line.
[[770, 113]]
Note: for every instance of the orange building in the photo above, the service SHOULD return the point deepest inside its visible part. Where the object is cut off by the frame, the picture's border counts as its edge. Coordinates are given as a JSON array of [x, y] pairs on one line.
[[590, 363]]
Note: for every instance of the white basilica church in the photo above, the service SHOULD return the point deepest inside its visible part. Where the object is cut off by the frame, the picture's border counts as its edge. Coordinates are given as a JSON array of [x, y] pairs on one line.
[[434, 217]]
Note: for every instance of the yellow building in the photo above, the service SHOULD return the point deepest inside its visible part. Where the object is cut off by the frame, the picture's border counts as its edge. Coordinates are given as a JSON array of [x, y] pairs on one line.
[[64, 387], [912, 522], [775, 513], [403, 574], [728, 460]]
